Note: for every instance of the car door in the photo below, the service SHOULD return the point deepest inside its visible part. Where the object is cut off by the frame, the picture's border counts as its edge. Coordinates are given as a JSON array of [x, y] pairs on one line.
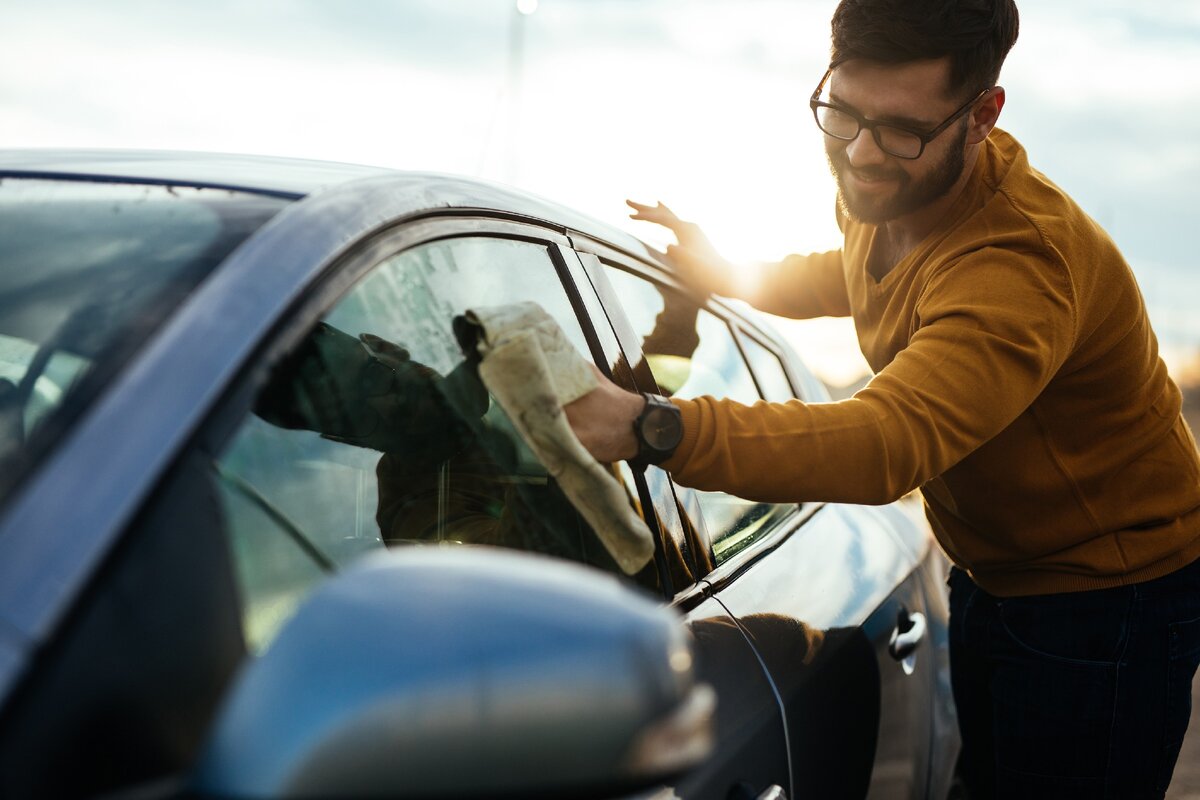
[[819, 589], [750, 757], [916, 756], [304, 487], [903, 750]]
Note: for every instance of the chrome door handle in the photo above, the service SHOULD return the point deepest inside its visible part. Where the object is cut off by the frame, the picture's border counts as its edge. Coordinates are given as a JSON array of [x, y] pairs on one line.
[[745, 791], [910, 630]]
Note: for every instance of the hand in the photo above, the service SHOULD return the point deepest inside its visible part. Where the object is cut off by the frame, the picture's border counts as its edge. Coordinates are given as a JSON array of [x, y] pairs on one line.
[[603, 420], [699, 263]]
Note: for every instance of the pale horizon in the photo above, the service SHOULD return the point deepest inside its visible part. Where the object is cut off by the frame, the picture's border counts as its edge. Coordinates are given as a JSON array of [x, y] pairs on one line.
[[701, 104]]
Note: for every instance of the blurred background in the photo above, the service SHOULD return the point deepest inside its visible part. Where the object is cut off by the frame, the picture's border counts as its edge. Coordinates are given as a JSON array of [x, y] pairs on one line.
[[699, 103]]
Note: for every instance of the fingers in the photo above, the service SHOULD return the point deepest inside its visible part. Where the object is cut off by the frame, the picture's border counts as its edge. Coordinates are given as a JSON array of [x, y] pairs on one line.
[[657, 213], [638, 208]]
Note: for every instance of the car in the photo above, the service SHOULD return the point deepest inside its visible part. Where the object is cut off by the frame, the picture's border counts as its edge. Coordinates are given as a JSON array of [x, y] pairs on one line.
[[265, 532]]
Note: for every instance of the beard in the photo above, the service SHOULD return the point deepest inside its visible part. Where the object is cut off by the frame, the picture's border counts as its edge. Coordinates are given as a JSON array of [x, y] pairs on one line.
[[910, 195]]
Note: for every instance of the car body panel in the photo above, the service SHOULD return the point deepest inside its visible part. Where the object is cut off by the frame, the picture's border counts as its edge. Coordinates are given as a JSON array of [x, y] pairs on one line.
[[822, 610], [750, 747]]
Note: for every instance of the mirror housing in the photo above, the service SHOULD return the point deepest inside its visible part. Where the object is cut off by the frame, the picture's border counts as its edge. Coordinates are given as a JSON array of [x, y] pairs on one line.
[[460, 672]]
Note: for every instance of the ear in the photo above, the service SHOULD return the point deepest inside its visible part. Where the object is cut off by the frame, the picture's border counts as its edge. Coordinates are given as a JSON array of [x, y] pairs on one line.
[[985, 115]]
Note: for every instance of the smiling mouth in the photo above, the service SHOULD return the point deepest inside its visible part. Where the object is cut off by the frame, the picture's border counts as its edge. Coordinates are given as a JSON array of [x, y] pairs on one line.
[[871, 177]]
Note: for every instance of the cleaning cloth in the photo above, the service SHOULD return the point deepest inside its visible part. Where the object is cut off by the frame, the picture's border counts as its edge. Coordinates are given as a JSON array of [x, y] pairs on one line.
[[533, 371]]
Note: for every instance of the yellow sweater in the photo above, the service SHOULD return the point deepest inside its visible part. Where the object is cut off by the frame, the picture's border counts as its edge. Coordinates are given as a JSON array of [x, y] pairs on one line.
[[1018, 384]]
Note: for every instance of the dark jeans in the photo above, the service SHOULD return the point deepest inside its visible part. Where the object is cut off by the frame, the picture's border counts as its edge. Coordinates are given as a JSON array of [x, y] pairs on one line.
[[1082, 695]]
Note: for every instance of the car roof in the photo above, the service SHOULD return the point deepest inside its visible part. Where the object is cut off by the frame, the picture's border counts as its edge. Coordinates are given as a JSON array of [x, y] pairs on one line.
[[411, 193], [286, 177], [295, 179]]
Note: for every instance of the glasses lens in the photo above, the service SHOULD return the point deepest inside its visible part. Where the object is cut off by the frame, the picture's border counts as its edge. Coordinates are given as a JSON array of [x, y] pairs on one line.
[[836, 123], [904, 144]]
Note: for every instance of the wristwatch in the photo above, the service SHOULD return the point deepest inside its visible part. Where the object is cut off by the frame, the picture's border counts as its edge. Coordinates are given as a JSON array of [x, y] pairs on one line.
[[659, 430]]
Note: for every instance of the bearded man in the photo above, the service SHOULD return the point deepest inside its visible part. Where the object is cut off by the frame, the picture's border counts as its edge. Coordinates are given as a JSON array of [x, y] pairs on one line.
[[1017, 385]]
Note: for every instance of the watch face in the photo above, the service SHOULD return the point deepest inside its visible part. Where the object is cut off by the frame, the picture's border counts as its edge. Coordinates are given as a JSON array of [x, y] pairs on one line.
[[662, 429]]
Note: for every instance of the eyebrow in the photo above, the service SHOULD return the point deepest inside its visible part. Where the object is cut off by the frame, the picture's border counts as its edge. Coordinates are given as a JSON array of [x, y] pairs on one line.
[[901, 121]]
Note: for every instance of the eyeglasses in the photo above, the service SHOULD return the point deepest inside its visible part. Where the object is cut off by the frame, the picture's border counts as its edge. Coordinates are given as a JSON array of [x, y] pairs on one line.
[[895, 140]]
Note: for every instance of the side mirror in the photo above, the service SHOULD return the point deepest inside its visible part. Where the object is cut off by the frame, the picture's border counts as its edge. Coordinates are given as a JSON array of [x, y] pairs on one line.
[[460, 672]]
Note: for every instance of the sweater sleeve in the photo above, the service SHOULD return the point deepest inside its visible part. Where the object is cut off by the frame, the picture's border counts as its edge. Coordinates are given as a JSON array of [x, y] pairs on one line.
[[990, 331], [802, 287]]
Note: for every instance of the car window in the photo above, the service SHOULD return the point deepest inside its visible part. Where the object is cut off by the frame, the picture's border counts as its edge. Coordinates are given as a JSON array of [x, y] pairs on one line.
[[87, 271], [692, 352], [377, 431]]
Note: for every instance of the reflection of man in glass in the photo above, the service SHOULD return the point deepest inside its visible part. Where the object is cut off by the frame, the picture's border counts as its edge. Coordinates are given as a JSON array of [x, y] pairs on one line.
[[448, 472], [669, 347], [443, 475], [1017, 385]]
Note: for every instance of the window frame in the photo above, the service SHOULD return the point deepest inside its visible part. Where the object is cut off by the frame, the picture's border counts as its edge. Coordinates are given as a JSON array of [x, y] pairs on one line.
[[594, 256], [365, 255]]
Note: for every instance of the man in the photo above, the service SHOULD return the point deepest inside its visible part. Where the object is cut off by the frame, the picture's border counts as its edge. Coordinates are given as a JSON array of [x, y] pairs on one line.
[[1018, 385]]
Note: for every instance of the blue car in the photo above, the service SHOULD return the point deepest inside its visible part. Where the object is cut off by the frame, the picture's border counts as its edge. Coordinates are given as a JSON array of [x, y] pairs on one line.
[[264, 532]]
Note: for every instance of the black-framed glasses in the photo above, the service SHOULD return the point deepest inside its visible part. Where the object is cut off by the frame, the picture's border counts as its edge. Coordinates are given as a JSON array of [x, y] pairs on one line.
[[895, 140]]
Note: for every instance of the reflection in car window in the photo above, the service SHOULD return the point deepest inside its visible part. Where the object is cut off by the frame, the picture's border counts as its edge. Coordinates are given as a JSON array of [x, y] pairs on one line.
[[376, 430], [691, 352], [87, 272]]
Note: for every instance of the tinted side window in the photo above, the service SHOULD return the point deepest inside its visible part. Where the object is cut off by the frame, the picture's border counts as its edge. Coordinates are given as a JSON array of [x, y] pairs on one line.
[[692, 352], [376, 430], [769, 371]]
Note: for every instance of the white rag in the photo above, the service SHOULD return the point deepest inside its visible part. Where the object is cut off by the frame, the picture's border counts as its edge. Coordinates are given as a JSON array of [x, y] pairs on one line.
[[533, 371]]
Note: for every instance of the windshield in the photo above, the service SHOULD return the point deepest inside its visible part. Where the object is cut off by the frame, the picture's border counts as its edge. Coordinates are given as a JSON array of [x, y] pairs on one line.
[[88, 270]]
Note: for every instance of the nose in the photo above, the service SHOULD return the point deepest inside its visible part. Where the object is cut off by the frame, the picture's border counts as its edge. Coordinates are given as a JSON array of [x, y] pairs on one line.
[[864, 151]]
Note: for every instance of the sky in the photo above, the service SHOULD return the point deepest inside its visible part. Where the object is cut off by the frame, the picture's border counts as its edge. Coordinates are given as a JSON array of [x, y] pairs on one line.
[[699, 103]]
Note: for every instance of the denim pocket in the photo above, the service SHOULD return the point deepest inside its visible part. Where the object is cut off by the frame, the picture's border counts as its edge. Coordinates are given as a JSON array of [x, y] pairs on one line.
[[1084, 628], [1185, 640], [1054, 719]]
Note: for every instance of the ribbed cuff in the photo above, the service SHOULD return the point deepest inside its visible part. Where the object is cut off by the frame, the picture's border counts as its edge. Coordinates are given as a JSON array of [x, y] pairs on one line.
[[689, 411]]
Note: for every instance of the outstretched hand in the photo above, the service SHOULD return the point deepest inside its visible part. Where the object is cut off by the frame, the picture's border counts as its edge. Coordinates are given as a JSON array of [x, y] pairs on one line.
[[699, 263]]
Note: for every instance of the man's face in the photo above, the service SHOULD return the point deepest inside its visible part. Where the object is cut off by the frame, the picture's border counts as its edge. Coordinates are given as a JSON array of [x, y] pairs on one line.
[[873, 186]]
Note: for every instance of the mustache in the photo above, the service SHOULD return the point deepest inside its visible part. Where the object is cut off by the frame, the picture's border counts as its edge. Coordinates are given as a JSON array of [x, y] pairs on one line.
[[840, 164]]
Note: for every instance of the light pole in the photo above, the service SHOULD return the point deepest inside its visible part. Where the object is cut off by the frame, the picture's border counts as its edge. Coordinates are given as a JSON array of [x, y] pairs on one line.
[[516, 73]]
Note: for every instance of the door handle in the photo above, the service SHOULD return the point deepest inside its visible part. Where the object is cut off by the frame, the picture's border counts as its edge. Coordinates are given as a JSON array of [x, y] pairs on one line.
[[910, 630], [745, 791]]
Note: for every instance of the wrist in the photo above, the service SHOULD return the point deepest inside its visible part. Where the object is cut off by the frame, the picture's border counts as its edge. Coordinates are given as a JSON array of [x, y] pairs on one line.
[[632, 405]]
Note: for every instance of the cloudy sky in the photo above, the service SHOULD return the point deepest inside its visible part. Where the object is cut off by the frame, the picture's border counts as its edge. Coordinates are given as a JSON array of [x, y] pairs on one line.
[[700, 103]]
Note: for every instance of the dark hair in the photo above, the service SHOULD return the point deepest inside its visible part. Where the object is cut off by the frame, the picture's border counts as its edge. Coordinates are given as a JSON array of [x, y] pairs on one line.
[[975, 34]]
